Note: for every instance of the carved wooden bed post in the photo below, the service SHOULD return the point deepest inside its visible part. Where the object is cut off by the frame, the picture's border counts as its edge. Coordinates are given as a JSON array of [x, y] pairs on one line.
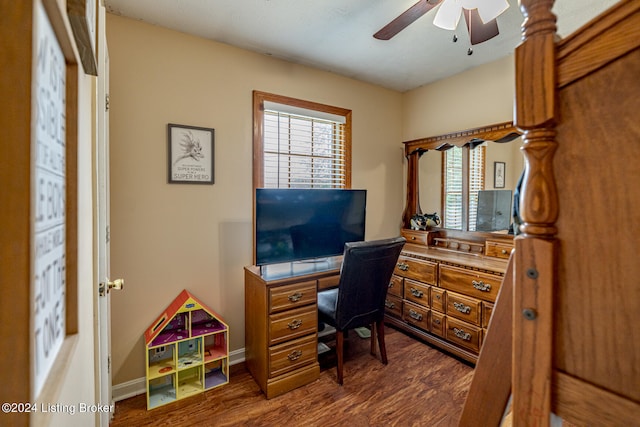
[[535, 248]]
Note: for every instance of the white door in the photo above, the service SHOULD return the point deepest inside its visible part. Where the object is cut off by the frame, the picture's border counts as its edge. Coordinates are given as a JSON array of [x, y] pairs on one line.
[[105, 284]]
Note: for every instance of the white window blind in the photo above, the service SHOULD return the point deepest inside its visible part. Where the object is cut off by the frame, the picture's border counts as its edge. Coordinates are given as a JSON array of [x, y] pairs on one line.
[[454, 181], [302, 151], [453, 188], [476, 183]]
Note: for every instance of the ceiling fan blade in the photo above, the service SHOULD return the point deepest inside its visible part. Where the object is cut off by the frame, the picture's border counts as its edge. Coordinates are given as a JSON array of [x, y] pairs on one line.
[[478, 31], [405, 19]]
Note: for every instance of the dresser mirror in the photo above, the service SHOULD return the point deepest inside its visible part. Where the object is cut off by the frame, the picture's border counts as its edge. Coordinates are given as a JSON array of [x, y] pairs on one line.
[[499, 166]]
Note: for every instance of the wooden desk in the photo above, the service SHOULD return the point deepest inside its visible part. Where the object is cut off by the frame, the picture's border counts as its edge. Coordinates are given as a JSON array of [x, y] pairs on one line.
[[281, 322]]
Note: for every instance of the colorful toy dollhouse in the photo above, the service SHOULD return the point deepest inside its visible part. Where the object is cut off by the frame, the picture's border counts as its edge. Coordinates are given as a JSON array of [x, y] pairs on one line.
[[187, 351]]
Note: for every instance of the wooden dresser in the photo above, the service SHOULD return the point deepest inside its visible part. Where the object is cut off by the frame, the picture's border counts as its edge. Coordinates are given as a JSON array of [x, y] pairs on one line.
[[281, 323], [443, 289]]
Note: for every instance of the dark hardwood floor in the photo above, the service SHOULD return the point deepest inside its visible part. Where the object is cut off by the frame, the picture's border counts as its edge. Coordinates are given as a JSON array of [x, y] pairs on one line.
[[421, 386]]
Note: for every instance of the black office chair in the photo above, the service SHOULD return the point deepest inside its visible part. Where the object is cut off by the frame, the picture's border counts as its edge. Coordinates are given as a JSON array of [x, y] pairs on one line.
[[358, 300]]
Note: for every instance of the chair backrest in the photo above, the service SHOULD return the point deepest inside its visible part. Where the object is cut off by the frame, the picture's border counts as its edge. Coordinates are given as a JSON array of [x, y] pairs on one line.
[[364, 279]]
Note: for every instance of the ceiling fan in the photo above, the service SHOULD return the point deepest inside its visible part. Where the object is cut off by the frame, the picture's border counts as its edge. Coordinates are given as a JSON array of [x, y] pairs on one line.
[[480, 16]]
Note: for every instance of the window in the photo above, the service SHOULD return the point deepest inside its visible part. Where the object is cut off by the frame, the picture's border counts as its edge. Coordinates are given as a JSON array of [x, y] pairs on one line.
[[463, 174], [300, 144]]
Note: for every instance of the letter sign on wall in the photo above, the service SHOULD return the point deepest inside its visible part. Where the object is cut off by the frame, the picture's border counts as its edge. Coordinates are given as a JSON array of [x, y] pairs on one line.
[[48, 246]]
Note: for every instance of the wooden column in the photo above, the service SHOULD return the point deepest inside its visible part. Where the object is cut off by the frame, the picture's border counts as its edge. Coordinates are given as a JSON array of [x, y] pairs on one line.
[[535, 248]]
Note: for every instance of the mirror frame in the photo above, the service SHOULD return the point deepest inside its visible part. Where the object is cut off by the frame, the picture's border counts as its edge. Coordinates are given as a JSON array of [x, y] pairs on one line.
[[414, 149]]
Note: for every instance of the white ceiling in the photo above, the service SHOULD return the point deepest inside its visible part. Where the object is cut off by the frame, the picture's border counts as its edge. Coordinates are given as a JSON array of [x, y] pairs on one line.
[[337, 35]]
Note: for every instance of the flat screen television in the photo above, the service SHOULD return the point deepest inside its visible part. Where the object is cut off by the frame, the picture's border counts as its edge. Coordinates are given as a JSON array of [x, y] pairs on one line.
[[304, 224]]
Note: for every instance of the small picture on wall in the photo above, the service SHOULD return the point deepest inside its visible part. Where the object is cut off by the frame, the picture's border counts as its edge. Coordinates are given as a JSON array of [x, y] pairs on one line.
[[190, 154], [498, 174]]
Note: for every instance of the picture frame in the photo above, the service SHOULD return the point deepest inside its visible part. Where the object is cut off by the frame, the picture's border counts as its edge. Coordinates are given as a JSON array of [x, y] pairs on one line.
[[83, 17], [499, 170], [190, 154]]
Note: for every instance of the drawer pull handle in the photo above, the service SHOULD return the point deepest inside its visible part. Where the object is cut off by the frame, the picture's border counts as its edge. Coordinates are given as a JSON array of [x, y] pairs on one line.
[[389, 304], [436, 321], [294, 355], [464, 309], [402, 266], [504, 252], [390, 285], [295, 324], [462, 334], [295, 297], [415, 315], [416, 293], [437, 296], [481, 286]]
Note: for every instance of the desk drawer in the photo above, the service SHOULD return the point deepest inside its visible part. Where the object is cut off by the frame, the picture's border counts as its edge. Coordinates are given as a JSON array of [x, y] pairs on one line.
[[463, 334], [291, 355], [328, 282], [293, 324], [468, 282], [423, 271], [464, 308], [291, 296]]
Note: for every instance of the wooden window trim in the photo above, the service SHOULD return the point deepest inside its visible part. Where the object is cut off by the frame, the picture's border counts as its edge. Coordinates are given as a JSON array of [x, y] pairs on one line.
[[259, 98]]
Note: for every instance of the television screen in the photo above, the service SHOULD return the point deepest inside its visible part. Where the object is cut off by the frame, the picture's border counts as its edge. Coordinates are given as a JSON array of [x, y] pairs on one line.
[[301, 224]]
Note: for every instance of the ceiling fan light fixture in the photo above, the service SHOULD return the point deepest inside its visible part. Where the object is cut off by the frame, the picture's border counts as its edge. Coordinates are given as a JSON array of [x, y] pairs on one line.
[[448, 15], [490, 10], [449, 12]]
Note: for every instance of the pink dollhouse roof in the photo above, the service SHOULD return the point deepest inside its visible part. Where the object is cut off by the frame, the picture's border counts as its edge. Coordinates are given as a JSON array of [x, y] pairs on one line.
[[184, 302]]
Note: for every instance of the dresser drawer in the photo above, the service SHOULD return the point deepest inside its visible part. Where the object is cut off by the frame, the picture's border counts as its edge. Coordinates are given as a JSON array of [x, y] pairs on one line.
[[413, 236], [291, 355], [416, 292], [415, 315], [291, 296], [463, 334], [437, 323], [479, 285], [393, 305], [487, 309], [293, 324], [464, 308], [498, 250], [423, 271], [395, 286], [438, 299]]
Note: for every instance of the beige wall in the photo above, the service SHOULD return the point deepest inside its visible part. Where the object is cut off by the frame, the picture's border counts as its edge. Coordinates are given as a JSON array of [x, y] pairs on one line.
[[165, 238], [478, 97], [471, 99]]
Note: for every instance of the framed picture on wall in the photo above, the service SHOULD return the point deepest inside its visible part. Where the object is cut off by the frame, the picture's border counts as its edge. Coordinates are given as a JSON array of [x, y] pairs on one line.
[[498, 174], [191, 154]]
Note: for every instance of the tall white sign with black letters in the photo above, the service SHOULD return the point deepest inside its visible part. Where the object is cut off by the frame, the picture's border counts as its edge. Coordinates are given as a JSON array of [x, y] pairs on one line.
[[48, 200]]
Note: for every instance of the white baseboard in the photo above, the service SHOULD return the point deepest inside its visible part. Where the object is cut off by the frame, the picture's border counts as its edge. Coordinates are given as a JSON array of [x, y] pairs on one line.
[[138, 386]]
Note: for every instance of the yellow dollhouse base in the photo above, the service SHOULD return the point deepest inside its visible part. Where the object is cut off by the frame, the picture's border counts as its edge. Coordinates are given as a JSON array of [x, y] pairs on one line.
[[187, 351]]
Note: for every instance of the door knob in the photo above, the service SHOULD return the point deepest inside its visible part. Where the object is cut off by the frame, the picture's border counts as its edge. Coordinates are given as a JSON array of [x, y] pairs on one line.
[[104, 288], [116, 285]]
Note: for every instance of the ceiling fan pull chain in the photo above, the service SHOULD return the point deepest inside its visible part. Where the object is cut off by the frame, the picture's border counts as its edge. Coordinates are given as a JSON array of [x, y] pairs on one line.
[[470, 50]]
